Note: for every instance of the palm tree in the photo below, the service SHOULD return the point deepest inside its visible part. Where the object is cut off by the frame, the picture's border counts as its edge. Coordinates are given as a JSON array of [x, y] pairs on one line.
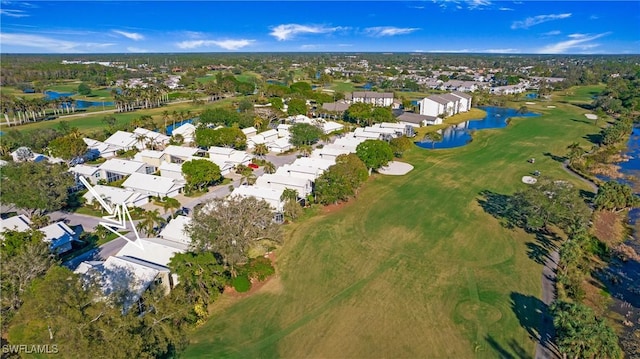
[[269, 168], [575, 151], [260, 150], [289, 194], [169, 204], [150, 221], [305, 150], [257, 122]]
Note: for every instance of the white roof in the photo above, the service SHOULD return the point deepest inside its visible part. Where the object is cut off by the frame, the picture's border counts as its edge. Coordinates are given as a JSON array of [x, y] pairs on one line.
[[334, 150], [398, 126], [283, 180], [283, 126], [268, 133], [186, 130], [156, 136], [175, 230], [121, 166], [290, 170], [115, 195], [149, 183], [121, 139], [18, 223], [129, 275], [226, 151], [180, 151], [173, 167], [360, 132], [249, 130], [383, 130], [149, 153], [154, 250], [56, 231], [299, 119], [257, 191], [331, 126], [84, 170], [282, 142], [257, 139], [314, 162]]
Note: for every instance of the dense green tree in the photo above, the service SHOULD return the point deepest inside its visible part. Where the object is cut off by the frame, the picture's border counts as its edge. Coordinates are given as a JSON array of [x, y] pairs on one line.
[[36, 187], [381, 114], [202, 275], [201, 173], [150, 222], [615, 196], [68, 147], [400, 144], [219, 116], [304, 134], [276, 102], [374, 153], [342, 180], [580, 334], [231, 226], [302, 88], [84, 89], [359, 112], [245, 105], [224, 137], [296, 106]]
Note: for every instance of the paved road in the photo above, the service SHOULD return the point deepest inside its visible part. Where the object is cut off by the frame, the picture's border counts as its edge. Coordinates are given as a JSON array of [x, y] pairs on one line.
[[99, 254], [546, 349]]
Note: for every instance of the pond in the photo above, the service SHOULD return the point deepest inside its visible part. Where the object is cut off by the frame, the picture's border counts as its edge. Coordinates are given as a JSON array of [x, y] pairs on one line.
[[80, 104], [461, 134]]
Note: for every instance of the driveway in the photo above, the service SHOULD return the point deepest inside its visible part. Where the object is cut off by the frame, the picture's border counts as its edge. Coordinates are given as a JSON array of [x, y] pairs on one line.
[[99, 254]]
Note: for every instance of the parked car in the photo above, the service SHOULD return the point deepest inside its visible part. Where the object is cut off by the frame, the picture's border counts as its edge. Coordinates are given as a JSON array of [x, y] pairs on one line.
[[253, 166]]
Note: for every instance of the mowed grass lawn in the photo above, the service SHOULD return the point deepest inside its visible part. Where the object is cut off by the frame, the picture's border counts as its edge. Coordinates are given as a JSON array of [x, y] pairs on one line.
[[412, 268]]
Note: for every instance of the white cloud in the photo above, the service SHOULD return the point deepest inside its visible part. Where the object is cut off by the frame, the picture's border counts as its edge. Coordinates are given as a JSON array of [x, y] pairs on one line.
[[379, 31], [471, 4], [505, 9], [535, 20], [594, 17], [501, 51], [552, 33], [13, 13], [130, 35], [579, 42], [447, 51], [49, 44], [225, 44], [288, 31]]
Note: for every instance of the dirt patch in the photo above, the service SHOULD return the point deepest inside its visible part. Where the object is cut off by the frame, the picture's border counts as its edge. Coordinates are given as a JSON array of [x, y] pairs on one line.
[[609, 170], [330, 208], [609, 227]]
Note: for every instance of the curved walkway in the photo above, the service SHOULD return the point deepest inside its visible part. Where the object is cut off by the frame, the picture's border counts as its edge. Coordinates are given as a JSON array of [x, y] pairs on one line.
[[591, 184]]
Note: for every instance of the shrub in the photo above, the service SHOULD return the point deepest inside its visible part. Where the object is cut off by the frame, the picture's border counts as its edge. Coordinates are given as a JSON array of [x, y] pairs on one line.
[[259, 268], [241, 283]]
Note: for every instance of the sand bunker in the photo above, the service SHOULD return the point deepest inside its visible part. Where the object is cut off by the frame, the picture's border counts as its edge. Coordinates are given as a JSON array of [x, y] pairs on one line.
[[395, 168]]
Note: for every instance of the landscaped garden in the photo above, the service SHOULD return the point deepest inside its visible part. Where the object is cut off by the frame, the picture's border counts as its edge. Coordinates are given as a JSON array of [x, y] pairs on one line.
[[414, 266]]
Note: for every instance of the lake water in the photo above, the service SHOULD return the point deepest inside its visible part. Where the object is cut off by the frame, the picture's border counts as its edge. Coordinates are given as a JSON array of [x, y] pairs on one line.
[[461, 134], [80, 104]]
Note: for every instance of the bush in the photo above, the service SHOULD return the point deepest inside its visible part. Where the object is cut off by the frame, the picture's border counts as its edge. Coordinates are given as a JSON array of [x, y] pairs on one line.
[[241, 283], [259, 268]]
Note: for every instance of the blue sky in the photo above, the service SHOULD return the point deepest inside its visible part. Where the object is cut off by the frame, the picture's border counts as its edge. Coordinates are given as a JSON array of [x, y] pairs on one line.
[[550, 27]]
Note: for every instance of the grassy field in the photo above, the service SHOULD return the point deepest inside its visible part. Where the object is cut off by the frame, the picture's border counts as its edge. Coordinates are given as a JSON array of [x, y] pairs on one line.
[[340, 86], [579, 94], [412, 268]]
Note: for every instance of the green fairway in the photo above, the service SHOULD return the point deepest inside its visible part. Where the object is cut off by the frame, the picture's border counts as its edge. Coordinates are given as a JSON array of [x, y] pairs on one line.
[[579, 94], [413, 267], [340, 86]]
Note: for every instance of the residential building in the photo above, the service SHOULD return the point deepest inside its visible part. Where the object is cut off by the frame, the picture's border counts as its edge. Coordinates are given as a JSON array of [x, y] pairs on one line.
[[417, 120], [293, 170], [179, 154], [280, 145], [100, 149], [249, 132], [273, 196], [90, 173], [172, 170], [221, 155], [383, 99], [125, 141], [153, 185], [115, 169], [187, 131], [175, 230], [19, 223], [302, 185], [60, 237], [152, 139], [115, 195], [150, 157]]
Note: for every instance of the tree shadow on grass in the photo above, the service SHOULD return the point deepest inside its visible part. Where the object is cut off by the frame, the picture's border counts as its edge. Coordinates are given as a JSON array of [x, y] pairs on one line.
[[534, 317], [594, 138], [499, 206], [556, 158], [540, 249], [515, 350]]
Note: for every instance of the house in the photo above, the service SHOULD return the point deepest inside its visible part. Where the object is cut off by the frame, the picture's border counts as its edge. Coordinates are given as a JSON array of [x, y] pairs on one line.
[[225, 154], [187, 131], [315, 162], [367, 135], [60, 236], [91, 173], [293, 170], [19, 223], [125, 141], [417, 120], [116, 195], [330, 126], [330, 152], [179, 154], [152, 139], [280, 145], [299, 119], [150, 157], [115, 169], [249, 132], [384, 132], [338, 106], [269, 135], [172, 170], [465, 101], [273, 196], [350, 143], [153, 185], [153, 250], [283, 130], [175, 230], [400, 128], [302, 185], [100, 149], [383, 99], [126, 277]]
